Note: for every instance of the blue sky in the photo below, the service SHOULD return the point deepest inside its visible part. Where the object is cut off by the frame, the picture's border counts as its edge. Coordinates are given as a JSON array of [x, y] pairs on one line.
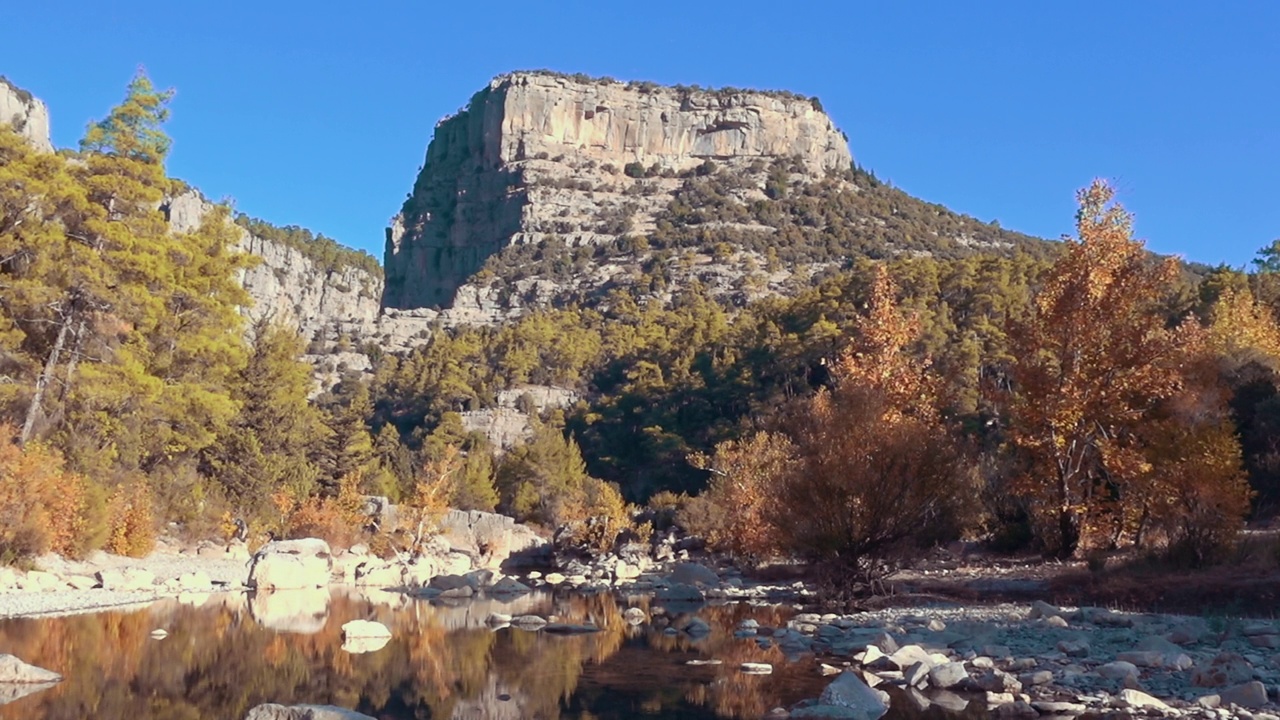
[[319, 114]]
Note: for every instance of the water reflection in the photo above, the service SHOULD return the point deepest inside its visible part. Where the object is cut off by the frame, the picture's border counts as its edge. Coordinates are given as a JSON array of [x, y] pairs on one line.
[[230, 653]]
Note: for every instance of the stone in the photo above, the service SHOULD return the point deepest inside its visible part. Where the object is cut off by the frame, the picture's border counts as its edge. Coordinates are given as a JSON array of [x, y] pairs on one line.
[[10, 692], [1074, 648], [128, 579], [1056, 621], [14, 670], [1252, 694], [634, 616], [626, 571], [81, 582], [507, 587], [1226, 668], [197, 581], [908, 655], [948, 675], [680, 592], [1142, 658], [363, 636], [159, 634], [917, 675], [885, 643], [755, 668], [1039, 677], [528, 622], [848, 691], [272, 711], [697, 627], [1139, 699], [1118, 670], [554, 578], [378, 573], [291, 565], [497, 619], [1041, 609], [998, 681], [693, 574]]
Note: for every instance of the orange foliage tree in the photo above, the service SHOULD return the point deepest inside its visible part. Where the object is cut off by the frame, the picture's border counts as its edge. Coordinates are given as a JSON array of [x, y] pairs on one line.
[[733, 513], [878, 472], [42, 506], [1114, 423]]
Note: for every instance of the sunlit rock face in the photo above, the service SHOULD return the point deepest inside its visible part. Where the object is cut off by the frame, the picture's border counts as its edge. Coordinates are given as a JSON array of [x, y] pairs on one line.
[[25, 113], [524, 159]]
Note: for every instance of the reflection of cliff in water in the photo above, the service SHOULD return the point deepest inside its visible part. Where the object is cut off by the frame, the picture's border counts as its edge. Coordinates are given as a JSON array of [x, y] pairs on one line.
[[231, 653]]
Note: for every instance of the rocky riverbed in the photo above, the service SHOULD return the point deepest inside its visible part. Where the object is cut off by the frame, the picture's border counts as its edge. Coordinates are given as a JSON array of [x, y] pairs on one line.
[[1015, 660]]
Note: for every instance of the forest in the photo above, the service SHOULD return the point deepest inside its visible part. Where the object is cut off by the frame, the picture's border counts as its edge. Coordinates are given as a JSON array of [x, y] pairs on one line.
[[1066, 398]]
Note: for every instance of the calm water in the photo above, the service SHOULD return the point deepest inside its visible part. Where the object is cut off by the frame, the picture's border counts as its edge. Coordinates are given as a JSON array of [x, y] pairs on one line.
[[225, 654]]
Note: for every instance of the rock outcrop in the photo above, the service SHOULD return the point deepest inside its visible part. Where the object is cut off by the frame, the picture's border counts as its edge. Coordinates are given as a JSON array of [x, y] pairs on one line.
[[526, 158], [26, 113], [290, 288]]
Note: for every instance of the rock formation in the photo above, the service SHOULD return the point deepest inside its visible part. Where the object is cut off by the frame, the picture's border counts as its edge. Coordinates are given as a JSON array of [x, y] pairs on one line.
[[290, 288], [525, 157], [26, 113]]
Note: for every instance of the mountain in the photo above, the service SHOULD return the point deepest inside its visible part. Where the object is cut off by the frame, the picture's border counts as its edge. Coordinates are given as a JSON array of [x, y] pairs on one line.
[[550, 188]]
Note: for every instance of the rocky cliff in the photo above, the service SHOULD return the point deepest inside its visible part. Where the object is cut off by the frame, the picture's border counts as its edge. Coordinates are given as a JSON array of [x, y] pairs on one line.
[[333, 308], [26, 113], [549, 188], [538, 154]]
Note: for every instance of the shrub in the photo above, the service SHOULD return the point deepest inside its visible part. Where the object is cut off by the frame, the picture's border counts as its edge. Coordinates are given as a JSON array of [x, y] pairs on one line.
[[743, 477], [634, 170], [132, 520], [338, 520], [42, 506]]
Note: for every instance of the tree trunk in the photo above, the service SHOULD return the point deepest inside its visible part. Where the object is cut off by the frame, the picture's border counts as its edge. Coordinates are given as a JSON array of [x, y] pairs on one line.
[[42, 383]]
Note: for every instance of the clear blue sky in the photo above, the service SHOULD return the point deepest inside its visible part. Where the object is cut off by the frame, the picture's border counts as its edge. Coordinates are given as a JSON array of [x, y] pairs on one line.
[[319, 114]]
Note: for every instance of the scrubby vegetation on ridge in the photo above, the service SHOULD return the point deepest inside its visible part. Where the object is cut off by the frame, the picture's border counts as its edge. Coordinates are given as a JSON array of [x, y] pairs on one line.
[[328, 254]]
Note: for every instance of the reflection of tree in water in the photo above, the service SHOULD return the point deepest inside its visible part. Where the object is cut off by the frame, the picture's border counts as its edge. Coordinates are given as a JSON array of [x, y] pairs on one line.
[[217, 662]]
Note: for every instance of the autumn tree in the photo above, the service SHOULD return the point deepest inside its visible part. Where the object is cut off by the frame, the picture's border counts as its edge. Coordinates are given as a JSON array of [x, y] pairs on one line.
[[735, 512], [1111, 422], [877, 471]]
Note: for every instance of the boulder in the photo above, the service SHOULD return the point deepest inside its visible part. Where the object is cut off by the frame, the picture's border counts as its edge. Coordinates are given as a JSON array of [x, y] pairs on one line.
[[848, 691], [128, 579], [1118, 670], [507, 587], [272, 711], [362, 636], [1138, 699], [291, 564], [13, 670], [197, 581], [1249, 695], [81, 582], [1225, 669], [948, 675], [693, 574], [634, 616], [378, 573], [754, 668]]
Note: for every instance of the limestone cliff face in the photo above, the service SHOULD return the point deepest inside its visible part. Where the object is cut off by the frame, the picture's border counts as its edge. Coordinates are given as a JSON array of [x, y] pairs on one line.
[[26, 113], [525, 157], [289, 287]]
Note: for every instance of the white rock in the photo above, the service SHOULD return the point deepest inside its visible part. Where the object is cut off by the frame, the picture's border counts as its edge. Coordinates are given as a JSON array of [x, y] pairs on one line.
[[291, 564], [753, 668], [1139, 699], [948, 675], [1118, 670], [362, 636], [848, 691]]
